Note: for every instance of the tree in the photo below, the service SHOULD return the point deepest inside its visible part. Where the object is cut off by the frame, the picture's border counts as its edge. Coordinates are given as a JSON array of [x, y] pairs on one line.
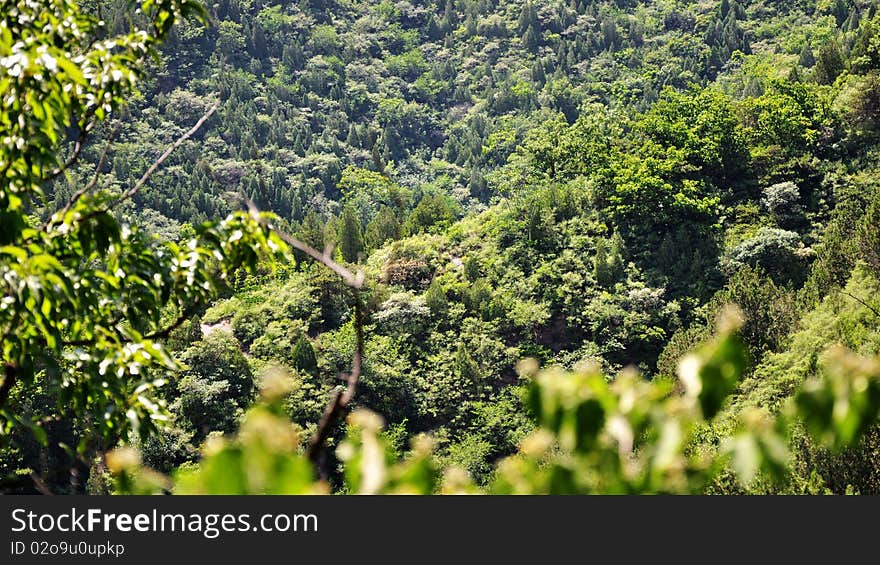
[[594, 434], [537, 73], [432, 212], [528, 16], [531, 39], [608, 262], [702, 126], [231, 41], [402, 315], [88, 301], [769, 310], [644, 192], [431, 29], [311, 230], [304, 358], [383, 227], [367, 191], [218, 358], [790, 115], [467, 369], [829, 62], [806, 58], [351, 240], [779, 252], [869, 234], [258, 45], [435, 299], [520, 166], [782, 201], [292, 57], [600, 264]]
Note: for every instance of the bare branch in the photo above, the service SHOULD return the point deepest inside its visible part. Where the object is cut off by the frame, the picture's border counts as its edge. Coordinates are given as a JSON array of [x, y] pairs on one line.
[[91, 184], [862, 302], [152, 169], [357, 362], [77, 148], [355, 281], [340, 400], [40, 484], [185, 314]]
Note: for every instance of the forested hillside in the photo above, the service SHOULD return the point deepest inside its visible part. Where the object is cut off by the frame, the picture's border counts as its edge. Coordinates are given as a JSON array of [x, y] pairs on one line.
[[578, 186]]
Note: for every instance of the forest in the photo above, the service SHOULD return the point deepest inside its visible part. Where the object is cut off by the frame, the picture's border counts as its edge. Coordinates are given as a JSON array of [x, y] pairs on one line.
[[440, 246]]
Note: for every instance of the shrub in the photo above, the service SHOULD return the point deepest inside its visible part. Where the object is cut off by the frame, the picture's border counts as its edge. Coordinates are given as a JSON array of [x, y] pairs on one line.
[[779, 252]]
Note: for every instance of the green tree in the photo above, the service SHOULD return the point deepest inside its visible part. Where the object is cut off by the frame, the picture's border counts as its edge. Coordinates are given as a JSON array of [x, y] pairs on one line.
[[88, 301], [608, 261], [467, 369], [385, 226], [806, 58], [593, 435], [304, 358], [432, 213], [435, 299], [311, 230], [778, 252], [830, 62], [218, 358], [351, 240], [259, 47]]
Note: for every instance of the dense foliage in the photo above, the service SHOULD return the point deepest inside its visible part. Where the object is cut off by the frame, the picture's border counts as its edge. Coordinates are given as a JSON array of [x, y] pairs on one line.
[[585, 185]]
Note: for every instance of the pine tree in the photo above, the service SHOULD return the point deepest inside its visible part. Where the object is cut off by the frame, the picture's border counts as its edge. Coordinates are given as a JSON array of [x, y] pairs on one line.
[[304, 358], [531, 39], [853, 21], [527, 18], [351, 240], [467, 369], [470, 24], [753, 87], [610, 36], [601, 272], [477, 185], [292, 57], [435, 299], [538, 76], [259, 48], [311, 230], [616, 254], [806, 58], [840, 11], [830, 63], [431, 29], [383, 227], [353, 138], [608, 261]]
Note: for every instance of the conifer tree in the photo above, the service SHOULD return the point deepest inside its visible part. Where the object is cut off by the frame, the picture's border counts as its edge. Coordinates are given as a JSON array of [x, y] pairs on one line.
[[304, 358], [806, 59], [466, 368], [435, 299], [351, 240]]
